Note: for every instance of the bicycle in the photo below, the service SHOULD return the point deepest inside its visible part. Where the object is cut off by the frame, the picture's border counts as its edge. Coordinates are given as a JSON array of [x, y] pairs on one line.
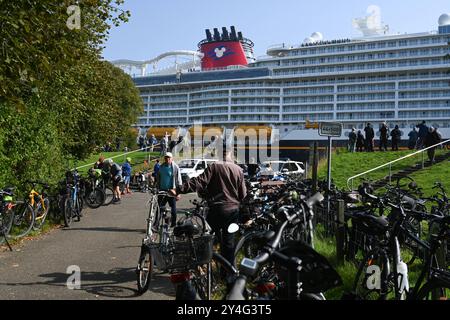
[[6, 215], [155, 242], [91, 193], [39, 202], [375, 277], [72, 201]]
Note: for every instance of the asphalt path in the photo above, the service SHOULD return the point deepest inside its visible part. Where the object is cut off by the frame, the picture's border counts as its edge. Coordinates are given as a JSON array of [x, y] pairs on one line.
[[104, 246]]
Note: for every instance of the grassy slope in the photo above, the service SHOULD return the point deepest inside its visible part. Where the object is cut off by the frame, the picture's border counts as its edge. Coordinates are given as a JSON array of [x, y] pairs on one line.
[[345, 165], [137, 158]]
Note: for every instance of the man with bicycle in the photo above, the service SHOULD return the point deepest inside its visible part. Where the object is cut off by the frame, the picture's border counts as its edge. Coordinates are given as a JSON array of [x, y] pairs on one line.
[[115, 172], [224, 184], [167, 178]]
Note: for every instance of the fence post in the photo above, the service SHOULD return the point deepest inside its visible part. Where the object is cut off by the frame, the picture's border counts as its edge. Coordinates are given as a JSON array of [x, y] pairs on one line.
[[340, 231], [315, 167], [441, 257]]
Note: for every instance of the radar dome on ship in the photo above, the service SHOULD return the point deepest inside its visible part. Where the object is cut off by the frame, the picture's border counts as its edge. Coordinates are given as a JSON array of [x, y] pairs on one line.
[[317, 36], [444, 20]]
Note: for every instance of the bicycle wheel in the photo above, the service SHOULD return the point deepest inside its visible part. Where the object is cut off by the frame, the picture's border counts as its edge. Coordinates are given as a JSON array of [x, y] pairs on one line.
[[68, 212], [95, 198], [6, 219], [371, 279], [434, 291], [23, 221], [78, 208], [41, 214], [109, 196], [144, 269]]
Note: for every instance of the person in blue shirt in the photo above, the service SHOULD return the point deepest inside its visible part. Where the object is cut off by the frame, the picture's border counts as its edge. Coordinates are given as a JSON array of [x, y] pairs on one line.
[[126, 174], [169, 178]]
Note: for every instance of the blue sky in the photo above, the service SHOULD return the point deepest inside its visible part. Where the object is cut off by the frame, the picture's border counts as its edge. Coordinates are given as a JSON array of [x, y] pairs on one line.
[[157, 26]]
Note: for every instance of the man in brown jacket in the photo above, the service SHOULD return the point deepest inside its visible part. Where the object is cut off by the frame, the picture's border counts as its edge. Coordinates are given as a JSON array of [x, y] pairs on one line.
[[224, 186]]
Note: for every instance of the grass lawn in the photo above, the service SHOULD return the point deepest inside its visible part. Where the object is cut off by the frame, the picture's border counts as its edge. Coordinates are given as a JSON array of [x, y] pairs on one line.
[[346, 165], [137, 159]]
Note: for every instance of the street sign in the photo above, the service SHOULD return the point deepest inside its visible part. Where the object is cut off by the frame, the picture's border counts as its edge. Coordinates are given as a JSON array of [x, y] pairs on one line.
[[330, 129]]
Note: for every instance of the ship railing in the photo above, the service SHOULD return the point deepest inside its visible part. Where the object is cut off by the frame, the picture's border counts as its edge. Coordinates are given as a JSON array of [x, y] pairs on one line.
[[389, 164]]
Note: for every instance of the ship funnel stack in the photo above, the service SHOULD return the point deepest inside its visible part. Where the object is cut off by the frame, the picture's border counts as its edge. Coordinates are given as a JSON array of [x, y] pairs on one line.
[[226, 49]]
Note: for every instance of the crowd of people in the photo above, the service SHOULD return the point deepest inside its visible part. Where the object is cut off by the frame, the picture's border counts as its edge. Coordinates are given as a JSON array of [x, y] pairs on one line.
[[420, 137]]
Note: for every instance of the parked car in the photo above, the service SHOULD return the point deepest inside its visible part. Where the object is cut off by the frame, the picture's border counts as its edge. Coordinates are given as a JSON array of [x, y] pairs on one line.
[[271, 169], [190, 168]]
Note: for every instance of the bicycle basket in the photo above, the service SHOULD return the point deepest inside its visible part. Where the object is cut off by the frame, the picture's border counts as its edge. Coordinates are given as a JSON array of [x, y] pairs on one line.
[[184, 255]]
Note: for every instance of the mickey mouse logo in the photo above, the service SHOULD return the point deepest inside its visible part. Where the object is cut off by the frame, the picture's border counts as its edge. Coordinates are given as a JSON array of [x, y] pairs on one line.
[[220, 52]]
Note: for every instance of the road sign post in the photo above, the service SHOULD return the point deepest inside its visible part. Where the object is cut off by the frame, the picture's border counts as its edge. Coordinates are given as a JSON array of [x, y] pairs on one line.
[[330, 129]]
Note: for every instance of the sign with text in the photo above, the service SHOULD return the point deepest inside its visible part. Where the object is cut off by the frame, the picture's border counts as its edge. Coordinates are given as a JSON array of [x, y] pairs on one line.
[[330, 129]]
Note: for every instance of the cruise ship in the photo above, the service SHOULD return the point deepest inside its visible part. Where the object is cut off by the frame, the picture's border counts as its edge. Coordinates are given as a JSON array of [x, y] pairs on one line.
[[400, 79]]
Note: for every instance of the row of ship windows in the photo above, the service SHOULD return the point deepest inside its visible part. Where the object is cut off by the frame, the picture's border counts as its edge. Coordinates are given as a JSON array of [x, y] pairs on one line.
[[304, 117], [311, 82], [328, 90], [303, 109], [359, 57], [353, 106], [307, 109], [369, 46], [368, 66], [321, 90]]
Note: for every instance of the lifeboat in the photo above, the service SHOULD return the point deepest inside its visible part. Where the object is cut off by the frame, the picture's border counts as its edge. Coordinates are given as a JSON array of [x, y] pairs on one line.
[[160, 132]]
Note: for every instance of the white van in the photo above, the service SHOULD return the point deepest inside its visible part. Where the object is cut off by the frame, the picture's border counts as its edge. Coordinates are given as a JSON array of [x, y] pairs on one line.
[[190, 168]]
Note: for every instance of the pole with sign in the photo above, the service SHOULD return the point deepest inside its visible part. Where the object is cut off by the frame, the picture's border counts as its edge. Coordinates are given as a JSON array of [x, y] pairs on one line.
[[330, 129]]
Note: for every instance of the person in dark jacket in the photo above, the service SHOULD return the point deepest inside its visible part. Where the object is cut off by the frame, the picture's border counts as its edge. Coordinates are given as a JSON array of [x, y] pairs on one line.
[[432, 139], [370, 134], [223, 183], [413, 135], [384, 137], [359, 141], [396, 135], [352, 140], [423, 132]]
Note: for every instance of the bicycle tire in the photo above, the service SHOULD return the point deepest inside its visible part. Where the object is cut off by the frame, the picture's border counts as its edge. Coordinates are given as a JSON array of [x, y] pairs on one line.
[[109, 196], [364, 281], [144, 270], [6, 219], [433, 287], [78, 208], [95, 198], [23, 222], [41, 214], [68, 212]]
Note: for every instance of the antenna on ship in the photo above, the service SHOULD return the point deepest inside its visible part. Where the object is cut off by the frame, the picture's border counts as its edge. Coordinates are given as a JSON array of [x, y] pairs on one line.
[[371, 25]]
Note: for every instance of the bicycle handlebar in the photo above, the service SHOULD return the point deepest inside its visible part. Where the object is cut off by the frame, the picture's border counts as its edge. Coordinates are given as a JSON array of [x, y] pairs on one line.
[[236, 291]]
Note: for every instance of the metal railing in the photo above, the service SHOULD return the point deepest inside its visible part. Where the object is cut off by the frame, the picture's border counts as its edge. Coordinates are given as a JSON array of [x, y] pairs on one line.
[[351, 179]]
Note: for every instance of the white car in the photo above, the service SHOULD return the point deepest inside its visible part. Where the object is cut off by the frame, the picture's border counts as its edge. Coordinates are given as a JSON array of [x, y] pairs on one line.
[[273, 168], [190, 168]]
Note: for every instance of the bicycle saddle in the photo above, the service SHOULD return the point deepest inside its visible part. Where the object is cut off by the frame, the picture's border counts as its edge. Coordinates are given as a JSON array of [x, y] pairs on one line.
[[371, 224], [188, 229]]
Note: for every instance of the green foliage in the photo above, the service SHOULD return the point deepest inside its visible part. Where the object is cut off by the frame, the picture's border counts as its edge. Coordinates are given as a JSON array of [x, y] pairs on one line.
[[59, 100]]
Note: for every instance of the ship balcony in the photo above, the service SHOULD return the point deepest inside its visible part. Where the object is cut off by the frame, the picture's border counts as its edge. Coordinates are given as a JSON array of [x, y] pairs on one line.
[[279, 50]]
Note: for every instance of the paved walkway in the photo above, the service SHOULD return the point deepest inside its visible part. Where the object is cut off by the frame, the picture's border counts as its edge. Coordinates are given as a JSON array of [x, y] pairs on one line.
[[105, 245]]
